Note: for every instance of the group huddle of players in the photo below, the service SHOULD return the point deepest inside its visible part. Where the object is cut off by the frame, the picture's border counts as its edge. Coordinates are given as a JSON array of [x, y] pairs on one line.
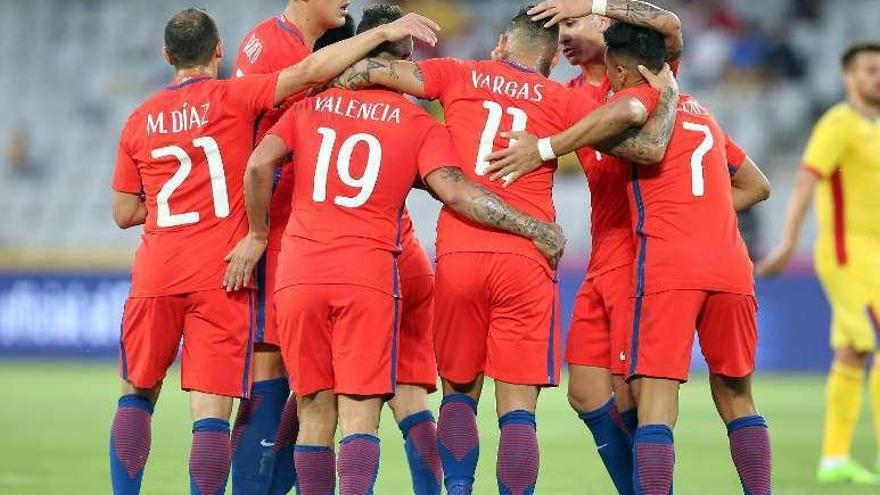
[[277, 246]]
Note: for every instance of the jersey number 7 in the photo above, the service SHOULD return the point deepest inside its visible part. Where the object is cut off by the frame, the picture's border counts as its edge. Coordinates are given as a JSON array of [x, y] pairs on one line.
[[698, 183], [164, 217]]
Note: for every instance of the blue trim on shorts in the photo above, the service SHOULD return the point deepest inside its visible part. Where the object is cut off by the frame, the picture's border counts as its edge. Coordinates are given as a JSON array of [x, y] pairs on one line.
[[551, 347], [245, 389], [261, 300], [396, 294], [640, 270], [123, 359]]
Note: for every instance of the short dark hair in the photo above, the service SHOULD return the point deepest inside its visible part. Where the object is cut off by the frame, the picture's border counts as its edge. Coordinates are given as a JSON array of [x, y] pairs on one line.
[[336, 35], [535, 32], [380, 14], [191, 37], [643, 45], [856, 49]]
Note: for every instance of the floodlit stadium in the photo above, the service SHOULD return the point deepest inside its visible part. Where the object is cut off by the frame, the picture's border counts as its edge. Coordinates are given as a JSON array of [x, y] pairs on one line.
[[769, 72]]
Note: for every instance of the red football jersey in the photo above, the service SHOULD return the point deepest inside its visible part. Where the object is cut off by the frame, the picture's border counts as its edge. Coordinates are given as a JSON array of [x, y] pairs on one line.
[[186, 149], [356, 157], [608, 177], [273, 45], [482, 99], [687, 235]]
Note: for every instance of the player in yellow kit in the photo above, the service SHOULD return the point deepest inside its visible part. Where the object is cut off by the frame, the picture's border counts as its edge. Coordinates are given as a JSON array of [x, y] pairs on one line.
[[841, 168]]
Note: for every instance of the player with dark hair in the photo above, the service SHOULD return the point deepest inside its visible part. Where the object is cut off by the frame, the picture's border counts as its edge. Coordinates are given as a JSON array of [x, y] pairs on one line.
[[496, 299], [338, 289], [263, 457], [179, 172], [841, 168], [337, 34], [704, 273]]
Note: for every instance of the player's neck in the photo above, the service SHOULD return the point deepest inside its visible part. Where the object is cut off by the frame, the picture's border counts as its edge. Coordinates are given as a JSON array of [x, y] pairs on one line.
[[864, 107], [297, 14], [199, 72], [593, 73]]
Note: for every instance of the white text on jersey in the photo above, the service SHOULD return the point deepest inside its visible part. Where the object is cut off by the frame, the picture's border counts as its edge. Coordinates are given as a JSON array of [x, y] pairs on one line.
[[354, 109], [511, 89], [182, 120]]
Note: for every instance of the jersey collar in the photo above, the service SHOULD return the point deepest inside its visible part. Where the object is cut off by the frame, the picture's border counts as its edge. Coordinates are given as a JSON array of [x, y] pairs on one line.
[[520, 67], [285, 24], [186, 81]]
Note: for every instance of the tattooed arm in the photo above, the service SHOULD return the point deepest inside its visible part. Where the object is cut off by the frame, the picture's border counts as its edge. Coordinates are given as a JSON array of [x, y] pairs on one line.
[[635, 12], [648, 144], [399, 75], [323, 65], [479, 205], [649, 15]]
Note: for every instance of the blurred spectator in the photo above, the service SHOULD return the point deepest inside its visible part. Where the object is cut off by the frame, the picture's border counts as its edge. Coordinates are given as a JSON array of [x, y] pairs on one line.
[[18, 158]]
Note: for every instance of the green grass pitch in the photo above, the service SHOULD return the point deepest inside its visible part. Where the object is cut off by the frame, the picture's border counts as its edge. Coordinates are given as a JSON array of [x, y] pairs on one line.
[[55, 419]]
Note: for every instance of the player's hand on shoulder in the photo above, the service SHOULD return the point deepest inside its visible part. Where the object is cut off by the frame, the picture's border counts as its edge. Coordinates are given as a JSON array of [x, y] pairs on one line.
[[775, 263], [242, 260], [556, 11], [661, 81], [412, 24], [551, 243], [520, 158]]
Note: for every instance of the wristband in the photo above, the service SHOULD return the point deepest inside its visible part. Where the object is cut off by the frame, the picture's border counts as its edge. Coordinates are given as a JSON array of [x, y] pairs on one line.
[[599, 7], [545, 149]]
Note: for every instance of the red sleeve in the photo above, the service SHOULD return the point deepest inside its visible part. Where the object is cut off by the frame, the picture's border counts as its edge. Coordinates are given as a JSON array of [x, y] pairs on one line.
[[285, 129], [437, 150], [126, 176], [254, 94], [644, 93], [578, 104], [735, 155], [438, 73]]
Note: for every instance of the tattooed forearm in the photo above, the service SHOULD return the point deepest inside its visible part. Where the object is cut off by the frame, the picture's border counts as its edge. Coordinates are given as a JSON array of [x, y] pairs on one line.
[[648, 144], [399, 75], [649, 15]]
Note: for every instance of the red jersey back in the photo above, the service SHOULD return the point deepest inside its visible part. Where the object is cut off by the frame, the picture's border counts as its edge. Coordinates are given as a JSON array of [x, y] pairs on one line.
[[682, 208], [186, 149], [273, 45], [608, 177], [356, 157], [482, 99]]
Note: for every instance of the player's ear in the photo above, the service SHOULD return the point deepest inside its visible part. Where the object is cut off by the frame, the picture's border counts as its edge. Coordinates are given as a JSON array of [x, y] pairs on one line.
[[218, 50], [167, 55], [500, 51], [555, 61]]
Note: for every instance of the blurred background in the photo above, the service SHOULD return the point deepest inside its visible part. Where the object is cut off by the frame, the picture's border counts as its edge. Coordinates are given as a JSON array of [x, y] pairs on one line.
[[72, 70]]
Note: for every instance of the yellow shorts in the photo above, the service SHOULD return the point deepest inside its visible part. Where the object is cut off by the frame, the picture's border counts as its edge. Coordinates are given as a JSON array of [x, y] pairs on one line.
[[855, 309]]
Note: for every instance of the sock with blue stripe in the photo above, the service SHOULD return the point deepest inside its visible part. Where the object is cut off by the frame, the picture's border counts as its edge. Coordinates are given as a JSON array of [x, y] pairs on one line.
[[210, 457], [315, 470], [518, 457], [253, 436], [358, 464], [284, 471], [130, 439], [653, 460], [750, 449], [459, 443], [613, 443], [420, 442]]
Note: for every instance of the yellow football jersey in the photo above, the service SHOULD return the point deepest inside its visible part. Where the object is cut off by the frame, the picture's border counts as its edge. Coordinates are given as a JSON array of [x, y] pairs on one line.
[[844, 151]]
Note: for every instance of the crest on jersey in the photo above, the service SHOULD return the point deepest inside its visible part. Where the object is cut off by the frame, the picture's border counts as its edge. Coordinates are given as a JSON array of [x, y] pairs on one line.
[[253, 48]]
